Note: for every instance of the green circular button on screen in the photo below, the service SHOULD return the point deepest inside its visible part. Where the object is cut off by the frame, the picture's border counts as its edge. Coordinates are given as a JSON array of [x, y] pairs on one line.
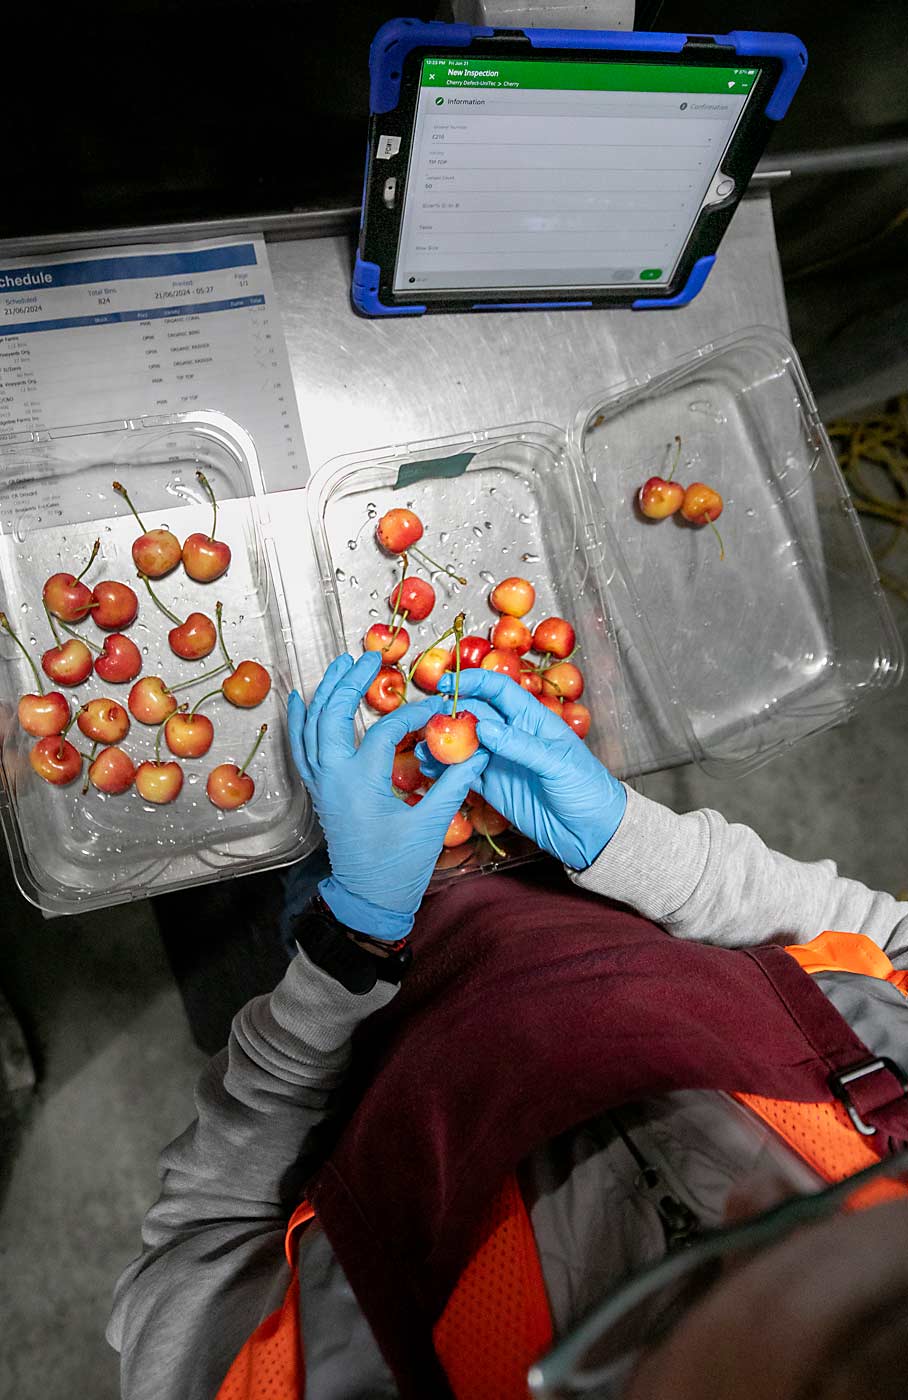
[[651, 274]]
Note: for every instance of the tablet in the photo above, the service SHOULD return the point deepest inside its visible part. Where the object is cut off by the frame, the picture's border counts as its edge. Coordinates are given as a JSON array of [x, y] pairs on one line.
[[543, 168]]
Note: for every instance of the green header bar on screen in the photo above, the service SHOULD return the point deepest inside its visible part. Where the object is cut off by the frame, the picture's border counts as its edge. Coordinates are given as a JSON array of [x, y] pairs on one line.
[[592, 76]]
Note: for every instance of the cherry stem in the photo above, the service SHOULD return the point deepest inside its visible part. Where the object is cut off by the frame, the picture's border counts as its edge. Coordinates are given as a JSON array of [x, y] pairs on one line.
[[4, 623], [458, 633], [63, 734], [677, 456], [212, 498], [91, 559], [497, 849], [401, 620], [219, 615], [157, 602], [79, 638], [51, 624], [88, 758], [161, 727], [125, 494], [405, 560], [437, 643], [719, 538], [184, 685], [203, 699], [261, 734], [443, 568]]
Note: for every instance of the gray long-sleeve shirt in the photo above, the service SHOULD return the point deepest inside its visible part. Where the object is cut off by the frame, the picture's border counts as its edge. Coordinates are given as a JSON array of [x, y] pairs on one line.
[[213, 1265]]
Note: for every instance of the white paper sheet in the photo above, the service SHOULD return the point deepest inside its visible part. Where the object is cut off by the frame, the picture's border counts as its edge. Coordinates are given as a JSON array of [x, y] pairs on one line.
[[121, 333]]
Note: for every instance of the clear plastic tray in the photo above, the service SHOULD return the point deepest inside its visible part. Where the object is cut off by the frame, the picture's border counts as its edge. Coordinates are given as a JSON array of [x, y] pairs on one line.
[[688, 658], [493, 503], [730, 662], [72, 852]]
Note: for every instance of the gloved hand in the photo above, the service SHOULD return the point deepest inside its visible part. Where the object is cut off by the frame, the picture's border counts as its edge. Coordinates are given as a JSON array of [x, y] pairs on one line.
[[382, 852], [542, 777]]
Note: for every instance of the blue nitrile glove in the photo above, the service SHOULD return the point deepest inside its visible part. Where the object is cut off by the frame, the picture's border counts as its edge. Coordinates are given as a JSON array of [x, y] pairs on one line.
[[542, 776], [382, 852]]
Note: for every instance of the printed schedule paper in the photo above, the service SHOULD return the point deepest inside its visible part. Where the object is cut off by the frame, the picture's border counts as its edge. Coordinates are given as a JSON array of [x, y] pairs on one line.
[[122, 333]]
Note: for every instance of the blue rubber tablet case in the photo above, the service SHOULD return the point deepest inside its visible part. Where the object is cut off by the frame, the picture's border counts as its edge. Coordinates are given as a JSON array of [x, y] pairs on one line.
[[548, 168]]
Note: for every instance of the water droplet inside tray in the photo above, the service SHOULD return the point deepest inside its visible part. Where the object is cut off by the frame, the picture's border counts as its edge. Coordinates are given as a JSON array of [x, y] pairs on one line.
[[492, 490], [487, 577], [373, 612], [25, 607], [374, 593], [504, 549], [487, 524], [339, 575], [354, 581], [523, 518], [477, 532], [443, 537], [351, 544], [371, 510], [750, 512], [193, 778], [529, 558]]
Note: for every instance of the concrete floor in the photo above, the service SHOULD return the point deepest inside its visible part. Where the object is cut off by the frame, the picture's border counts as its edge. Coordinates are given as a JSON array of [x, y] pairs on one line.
[[117, 1063]]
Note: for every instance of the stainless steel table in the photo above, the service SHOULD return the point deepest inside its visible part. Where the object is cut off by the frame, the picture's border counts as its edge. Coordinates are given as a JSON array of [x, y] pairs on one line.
[[366, 384]]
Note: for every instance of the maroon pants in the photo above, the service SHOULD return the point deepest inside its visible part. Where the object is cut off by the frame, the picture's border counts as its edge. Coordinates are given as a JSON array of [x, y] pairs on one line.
[[530, 1008]]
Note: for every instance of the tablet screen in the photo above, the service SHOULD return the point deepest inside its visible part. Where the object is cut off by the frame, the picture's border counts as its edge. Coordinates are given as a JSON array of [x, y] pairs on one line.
[[529, 173]]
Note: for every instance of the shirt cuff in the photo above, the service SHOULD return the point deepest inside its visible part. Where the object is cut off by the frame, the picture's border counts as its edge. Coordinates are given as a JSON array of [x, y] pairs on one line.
[[653, 862], [360, 914]]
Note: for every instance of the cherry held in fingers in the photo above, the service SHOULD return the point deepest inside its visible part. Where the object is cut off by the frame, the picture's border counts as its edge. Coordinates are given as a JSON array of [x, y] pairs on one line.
[[113, 771], [228, 786], [387, 691], [56, 761], [452, 739], [66, 596], [103, 721], [115, 607], [155, 552], [204, 557]]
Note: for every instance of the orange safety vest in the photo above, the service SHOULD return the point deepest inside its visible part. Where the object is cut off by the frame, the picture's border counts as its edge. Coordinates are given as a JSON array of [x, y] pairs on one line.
[[497, 1322]]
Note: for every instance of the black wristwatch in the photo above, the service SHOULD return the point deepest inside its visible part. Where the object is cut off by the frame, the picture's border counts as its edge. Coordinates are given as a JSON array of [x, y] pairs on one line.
[[350, 957]]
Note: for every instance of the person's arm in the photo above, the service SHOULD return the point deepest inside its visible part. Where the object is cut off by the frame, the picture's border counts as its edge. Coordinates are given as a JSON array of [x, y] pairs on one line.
[[704, 878], [698, 876], [214, 1265]]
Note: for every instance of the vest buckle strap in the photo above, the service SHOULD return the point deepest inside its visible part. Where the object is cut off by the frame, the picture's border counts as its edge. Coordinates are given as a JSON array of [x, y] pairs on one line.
[[840, 1080]]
